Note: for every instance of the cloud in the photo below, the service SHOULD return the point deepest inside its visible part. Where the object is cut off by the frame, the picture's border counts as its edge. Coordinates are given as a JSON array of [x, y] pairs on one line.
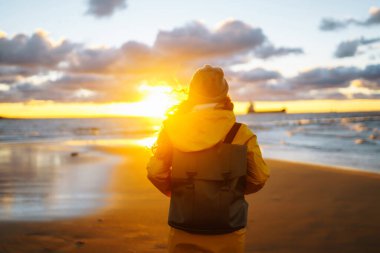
[[331, 24], [323, 82], [182, 49], [195, 39], [34, 50], [350, 48], [37, 68], [233, 38], [269, 90], [374, 18], [6, 71], [318, 83], [371, 72], [269, 51], [325, 77], [93, 60], [254, 75], [11, 74], [254, 84], [105, 8], [71, 88]]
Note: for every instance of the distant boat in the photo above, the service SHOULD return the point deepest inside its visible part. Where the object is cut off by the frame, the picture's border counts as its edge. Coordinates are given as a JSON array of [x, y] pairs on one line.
[[251, 109]]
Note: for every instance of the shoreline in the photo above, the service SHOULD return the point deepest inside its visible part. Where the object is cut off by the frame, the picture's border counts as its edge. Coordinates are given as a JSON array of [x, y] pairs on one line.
[[102, 144], [322, 166]]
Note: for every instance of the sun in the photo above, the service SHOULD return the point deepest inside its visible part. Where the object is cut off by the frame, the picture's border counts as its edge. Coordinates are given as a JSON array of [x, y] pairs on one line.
[[157, 99]]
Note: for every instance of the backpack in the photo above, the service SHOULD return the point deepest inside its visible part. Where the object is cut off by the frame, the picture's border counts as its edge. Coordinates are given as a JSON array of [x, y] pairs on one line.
[[207, 188]]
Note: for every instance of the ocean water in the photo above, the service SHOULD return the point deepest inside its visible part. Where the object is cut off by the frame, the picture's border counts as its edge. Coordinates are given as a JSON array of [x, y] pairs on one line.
[[27, 130], [342, 139], [350, 140], [40, 179]]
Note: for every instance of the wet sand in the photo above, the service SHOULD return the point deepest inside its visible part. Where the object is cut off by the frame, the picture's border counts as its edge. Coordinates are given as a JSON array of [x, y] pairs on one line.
[[303, 208], [52, 180]]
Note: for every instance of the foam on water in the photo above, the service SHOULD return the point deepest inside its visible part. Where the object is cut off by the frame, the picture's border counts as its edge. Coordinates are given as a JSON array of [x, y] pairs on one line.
[[340, 139]]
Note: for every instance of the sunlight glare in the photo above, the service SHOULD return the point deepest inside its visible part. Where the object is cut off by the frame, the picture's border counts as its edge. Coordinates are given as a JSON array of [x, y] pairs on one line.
[[157, 100]]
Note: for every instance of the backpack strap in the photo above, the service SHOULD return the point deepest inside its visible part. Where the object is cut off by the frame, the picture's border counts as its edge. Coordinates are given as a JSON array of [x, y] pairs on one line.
[[231, 134]]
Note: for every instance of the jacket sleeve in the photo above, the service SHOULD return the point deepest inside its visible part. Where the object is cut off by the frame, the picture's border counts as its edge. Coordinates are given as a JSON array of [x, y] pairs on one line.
[[258, 171], [159, 165]]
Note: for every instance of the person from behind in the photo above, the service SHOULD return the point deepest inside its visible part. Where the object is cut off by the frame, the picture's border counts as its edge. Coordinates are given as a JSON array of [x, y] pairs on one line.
[[206, 163]]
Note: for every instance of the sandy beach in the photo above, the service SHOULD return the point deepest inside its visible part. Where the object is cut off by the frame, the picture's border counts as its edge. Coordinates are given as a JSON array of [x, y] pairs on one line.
[[303, 208]]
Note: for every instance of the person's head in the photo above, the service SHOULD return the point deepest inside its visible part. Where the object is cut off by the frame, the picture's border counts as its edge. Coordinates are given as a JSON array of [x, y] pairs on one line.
[[208, 85]]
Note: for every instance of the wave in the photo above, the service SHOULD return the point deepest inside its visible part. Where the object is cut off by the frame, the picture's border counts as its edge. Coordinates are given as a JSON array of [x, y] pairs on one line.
[[317, 121]]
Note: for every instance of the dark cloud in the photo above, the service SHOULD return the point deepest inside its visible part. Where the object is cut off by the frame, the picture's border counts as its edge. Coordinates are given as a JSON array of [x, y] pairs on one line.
[[318, 83], [83, 81], [259, 84], [73, 88], [365, 96], [21, 92], [37, 68], [334, 77], [105, 8], [254, 75], [93, 60], [325, 77], [350, 48], [6, 71], [131, 57], [197, 41], [182, 48], [262, 90], [371, 72], [36, 50], [331, 24], [255, 84], [233, 38], [11, 74], [269, 51], [347, 48]]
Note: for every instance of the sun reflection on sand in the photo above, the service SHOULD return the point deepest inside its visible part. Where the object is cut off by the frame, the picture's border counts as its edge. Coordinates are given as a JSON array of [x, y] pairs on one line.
[[143, 142], [146, 142]]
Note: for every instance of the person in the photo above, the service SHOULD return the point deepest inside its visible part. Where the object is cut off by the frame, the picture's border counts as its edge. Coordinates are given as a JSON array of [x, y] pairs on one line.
[[205, 175]]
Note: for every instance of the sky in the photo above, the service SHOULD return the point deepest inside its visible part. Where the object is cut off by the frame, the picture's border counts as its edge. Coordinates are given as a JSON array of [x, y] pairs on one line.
[[123, 51]]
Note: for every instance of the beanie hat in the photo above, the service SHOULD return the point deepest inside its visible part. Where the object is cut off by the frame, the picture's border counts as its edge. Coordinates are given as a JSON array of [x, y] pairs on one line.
[[208, 85]]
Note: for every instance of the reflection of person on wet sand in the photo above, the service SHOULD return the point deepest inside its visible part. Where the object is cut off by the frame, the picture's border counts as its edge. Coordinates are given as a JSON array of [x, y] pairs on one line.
[[206, 162]]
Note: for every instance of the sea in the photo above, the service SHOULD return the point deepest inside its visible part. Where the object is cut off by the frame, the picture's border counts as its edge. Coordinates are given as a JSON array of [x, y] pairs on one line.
[[343, 140], [49, 170], [350, 140]]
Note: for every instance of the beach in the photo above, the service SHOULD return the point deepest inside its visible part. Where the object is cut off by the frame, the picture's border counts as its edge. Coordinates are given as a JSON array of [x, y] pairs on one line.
[[303, 208], [90, 90]]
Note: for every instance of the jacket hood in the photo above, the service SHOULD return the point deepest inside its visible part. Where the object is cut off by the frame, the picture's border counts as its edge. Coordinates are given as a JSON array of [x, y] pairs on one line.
[[200, 129]]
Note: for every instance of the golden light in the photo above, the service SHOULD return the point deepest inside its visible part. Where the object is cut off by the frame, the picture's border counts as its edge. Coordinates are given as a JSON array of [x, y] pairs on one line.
[[157, 99]]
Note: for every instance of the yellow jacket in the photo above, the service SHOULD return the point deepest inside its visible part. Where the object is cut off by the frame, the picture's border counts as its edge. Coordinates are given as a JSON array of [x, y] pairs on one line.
[[201, 129]]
